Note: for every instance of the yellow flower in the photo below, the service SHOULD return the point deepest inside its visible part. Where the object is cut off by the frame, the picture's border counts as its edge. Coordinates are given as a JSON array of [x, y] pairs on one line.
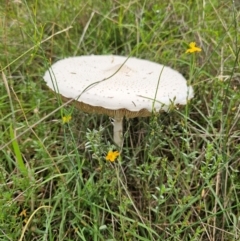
[[23, 213], [112, 155], [66, 119], [193, 48]]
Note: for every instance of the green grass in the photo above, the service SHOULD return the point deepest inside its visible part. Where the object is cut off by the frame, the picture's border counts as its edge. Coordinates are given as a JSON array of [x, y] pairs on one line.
[[178, 174]]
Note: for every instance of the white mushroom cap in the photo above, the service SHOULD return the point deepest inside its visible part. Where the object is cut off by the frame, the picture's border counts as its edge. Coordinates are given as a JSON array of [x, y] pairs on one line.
[[115, 85]]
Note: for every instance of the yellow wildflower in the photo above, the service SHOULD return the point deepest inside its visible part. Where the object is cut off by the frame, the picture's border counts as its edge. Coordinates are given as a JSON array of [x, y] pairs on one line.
[[23, 213], [193, 48], [112, 155], [66, 119]]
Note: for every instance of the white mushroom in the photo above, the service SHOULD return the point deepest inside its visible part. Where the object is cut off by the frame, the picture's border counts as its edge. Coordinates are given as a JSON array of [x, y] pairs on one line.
[[118, 86]]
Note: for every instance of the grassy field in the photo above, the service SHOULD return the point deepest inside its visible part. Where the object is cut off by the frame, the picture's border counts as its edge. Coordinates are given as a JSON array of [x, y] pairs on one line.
[[177, 177]]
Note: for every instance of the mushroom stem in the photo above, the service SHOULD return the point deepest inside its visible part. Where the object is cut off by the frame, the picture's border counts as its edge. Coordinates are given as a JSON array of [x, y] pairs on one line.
[[118, 131]]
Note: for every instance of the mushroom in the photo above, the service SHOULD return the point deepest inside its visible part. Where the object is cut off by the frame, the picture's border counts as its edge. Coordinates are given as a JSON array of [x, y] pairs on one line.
[[118, 86]]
